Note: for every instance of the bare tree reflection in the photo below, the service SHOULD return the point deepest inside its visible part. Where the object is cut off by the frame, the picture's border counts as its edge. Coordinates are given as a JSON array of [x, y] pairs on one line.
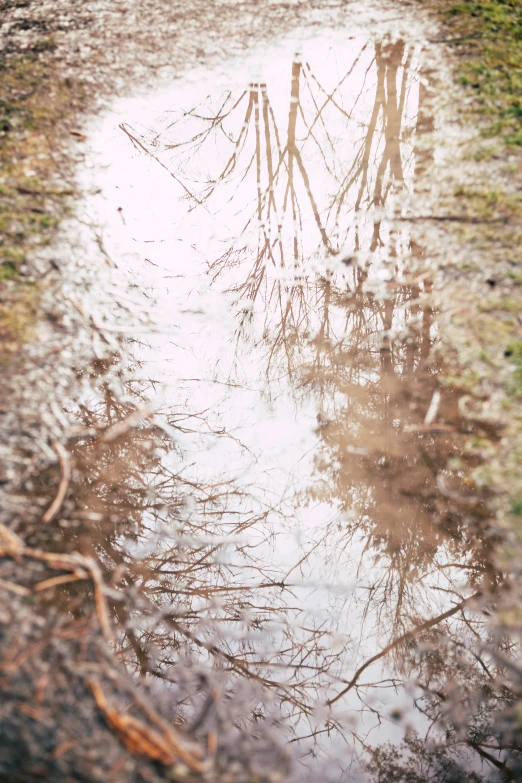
[[360, 352]]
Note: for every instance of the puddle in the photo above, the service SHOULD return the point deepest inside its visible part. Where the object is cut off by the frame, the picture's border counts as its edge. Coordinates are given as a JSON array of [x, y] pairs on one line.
[[289, 504]]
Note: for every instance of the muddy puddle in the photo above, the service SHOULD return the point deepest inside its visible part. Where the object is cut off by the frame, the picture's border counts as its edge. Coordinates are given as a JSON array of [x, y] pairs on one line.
[[279, 493]]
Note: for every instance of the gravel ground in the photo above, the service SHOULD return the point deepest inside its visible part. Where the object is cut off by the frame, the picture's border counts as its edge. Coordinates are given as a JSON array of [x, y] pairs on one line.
[[117, 45]]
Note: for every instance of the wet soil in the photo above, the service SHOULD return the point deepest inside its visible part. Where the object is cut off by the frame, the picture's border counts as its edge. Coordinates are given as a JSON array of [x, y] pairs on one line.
[[250, 535]]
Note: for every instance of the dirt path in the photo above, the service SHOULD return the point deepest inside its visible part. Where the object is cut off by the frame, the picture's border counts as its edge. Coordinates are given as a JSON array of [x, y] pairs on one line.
[[80, 437]]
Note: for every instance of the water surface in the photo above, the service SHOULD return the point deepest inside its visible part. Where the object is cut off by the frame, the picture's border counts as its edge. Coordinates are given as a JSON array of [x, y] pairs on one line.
[[290, 503]]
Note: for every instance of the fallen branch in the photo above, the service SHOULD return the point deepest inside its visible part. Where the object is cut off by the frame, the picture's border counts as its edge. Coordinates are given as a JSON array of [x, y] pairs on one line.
[[64, 483], [13, 546], [142, 740]]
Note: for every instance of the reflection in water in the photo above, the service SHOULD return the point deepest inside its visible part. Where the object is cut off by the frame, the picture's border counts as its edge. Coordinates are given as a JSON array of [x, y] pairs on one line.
[[294, 511]]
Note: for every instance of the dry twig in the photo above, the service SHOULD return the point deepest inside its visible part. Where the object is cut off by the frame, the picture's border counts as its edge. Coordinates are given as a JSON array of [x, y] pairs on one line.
[[64, 483]]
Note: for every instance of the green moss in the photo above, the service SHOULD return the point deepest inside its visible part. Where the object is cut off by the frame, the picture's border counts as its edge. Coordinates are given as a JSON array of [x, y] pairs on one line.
[[7, 271], [514, 139], [34, 103], [489, 34], [514, 353], [514, 350], [488, 204], [18, 315], [12, 255], [45, 44], [506, 304]]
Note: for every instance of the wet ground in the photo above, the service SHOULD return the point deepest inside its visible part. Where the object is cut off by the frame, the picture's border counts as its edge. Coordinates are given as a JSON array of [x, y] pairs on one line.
[[254, 444]]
